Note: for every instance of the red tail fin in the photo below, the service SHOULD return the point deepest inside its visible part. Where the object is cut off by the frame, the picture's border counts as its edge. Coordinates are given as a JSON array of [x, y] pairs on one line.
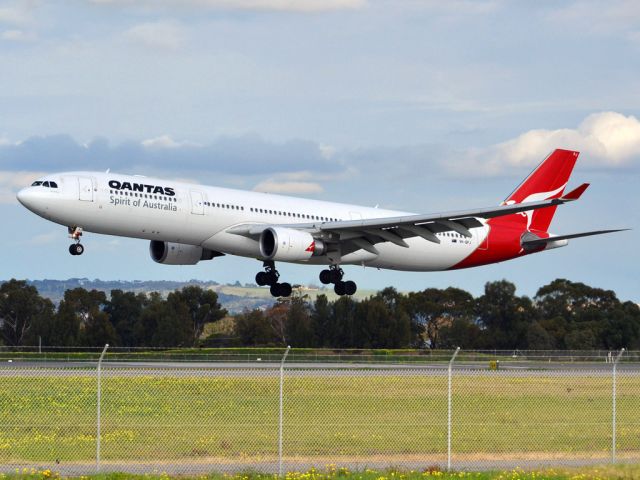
[[547, 181]]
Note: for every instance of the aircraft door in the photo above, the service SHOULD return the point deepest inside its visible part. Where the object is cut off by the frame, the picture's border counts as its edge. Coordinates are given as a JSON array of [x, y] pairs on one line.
[[86, 189], [197, 203], [481, 237]]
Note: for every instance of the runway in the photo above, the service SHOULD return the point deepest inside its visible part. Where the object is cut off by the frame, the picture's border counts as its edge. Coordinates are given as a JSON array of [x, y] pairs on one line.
[[245, 369]]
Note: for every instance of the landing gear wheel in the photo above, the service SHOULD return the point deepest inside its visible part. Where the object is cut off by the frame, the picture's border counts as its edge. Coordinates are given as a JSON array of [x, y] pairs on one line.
[[340, 288], [261, 279], [336, 275], [76, 249], [280, 289], [350, 287], [333, 275], [272, 277], [325, 277], [285, 289]]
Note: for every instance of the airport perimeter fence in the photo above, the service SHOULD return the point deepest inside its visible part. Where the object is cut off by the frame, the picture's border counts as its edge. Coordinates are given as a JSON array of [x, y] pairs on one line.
[[461, 410]]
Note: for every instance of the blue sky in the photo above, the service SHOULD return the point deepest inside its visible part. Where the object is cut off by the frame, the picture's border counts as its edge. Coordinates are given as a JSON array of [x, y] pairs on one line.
[[418, 105]]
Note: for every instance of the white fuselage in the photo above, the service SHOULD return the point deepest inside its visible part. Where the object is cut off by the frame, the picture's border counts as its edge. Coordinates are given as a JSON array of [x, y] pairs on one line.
[[169, 211]]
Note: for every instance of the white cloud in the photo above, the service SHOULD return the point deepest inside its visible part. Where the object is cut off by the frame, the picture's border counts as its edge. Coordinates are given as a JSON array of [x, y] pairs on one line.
[[18, 14], [605, 139], [456, 7], [163, 141], [162, 35], [327, 151], [11, 182], [19, 36], [274, 186], [302, 6]]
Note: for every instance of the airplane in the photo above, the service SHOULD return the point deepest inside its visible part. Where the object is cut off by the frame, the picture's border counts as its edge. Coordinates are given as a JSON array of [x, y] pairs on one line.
[[187, 223]]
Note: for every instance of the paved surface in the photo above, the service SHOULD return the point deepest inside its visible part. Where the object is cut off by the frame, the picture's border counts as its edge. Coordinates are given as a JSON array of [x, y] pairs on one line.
[[11, 367]]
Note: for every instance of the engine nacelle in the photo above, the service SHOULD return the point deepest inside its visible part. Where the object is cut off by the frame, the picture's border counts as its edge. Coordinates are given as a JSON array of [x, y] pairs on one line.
[[169, 253], [289, 245]]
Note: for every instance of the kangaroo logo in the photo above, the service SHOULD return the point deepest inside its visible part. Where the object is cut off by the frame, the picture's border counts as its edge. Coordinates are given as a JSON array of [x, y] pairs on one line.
[[535, 197]]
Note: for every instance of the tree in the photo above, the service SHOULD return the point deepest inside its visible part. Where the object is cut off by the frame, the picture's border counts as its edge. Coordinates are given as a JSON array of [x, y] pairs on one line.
[[321, 321], [504, 316], [21, 307], [124, 310], [165, 323], [538, 338], [434, 309], [343, 323], [590, 317], [389, 324], [461, 332], [299, 325], [202, 306], [277, 318], [253, 328], [80, 315]]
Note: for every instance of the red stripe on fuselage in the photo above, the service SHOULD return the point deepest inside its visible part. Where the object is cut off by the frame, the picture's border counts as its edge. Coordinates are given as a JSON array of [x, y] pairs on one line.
[[502, 242]]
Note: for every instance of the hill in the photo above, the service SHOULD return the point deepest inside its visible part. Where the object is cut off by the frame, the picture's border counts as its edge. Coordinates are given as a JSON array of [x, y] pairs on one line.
[[234, 297]]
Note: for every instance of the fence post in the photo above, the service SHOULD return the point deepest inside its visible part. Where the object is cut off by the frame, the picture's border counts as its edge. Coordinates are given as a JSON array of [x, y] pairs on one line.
[[284, 357], [104, 350], [614, 398], [449, 409]]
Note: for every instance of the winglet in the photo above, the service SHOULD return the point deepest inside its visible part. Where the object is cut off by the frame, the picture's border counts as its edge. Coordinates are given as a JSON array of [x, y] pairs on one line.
[[576, 193]]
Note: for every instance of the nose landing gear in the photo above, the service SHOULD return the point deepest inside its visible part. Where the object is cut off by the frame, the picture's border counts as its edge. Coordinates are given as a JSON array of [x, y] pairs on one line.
[[270, 277], [75, 248], [334, 275]]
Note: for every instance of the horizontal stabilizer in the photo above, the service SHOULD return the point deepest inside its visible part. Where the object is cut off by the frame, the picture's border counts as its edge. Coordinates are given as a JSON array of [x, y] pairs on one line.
[[541, 242], [576, 192]]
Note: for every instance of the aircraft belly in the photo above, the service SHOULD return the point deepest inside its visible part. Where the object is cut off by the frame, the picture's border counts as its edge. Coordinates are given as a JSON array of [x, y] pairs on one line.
[[422, 255]]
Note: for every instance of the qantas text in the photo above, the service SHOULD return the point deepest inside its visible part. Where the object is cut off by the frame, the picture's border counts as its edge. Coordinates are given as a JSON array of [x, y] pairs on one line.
[[141, 187]]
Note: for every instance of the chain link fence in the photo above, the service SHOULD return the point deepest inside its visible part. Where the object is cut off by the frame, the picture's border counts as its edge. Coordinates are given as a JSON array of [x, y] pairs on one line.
[[272, 415]]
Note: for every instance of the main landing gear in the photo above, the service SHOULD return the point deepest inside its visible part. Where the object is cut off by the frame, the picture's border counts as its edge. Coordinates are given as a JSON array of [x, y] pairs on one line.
[[75, 248], [270, 277], [334, 275]]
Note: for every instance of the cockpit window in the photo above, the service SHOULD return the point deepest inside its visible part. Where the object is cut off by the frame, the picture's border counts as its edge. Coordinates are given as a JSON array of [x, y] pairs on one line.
[[53, 184], [36, 184], [45, 184]]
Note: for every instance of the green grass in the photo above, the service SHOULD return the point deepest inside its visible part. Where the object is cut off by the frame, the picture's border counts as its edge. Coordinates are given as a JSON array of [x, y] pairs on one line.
[[327, 418], [620, 472]]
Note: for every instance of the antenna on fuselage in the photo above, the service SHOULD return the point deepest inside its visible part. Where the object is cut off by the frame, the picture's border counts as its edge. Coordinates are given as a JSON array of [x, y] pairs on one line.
[[108, 170]]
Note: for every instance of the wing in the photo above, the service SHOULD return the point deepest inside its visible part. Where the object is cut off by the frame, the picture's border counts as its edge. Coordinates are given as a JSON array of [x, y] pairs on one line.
[[363, 234]]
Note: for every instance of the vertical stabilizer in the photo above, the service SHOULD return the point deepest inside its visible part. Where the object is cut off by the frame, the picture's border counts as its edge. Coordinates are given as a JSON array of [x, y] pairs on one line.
[[547, 181]]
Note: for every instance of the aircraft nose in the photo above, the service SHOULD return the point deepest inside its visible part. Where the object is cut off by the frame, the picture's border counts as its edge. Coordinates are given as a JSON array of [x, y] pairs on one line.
[[25, 196]]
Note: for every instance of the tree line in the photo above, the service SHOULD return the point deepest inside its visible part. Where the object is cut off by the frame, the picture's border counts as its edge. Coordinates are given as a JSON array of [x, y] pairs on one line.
[[89, 318], [562, 315]]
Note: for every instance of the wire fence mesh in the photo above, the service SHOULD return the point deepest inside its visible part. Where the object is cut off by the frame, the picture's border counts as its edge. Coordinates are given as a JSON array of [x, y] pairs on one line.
[[190, 417]]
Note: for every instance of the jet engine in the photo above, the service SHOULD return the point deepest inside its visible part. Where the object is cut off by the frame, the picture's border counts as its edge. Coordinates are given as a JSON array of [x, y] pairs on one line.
[[289, 245], [169, 253]]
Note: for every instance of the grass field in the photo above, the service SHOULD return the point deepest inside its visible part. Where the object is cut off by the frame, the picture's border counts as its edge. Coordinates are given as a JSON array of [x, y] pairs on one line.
[[620, 472], [327, 419]]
